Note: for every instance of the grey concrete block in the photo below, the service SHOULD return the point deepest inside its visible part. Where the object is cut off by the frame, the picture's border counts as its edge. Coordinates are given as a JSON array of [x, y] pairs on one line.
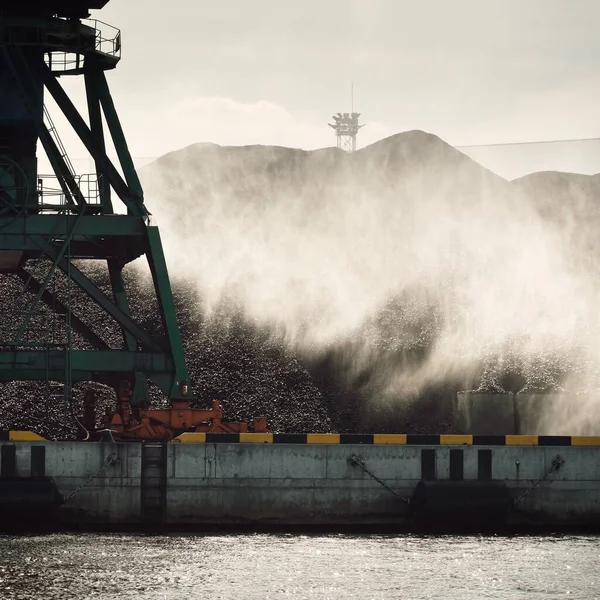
[[485, 414], [558, 414]]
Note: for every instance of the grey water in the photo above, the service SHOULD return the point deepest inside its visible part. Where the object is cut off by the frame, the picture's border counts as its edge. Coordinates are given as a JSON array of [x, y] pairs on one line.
[[269, 566]]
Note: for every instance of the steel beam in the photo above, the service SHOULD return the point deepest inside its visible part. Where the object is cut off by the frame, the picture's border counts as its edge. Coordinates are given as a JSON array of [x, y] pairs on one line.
[[106, 366], [51, 225], [134, 204], [118, 137], [101, 250], [93, 236], [96, 129], [164, 295], [98, 296], [44, 229], [139, 394]]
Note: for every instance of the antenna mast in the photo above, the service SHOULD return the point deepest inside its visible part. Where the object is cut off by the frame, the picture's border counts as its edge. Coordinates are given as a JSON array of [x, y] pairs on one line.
[[346, 126]]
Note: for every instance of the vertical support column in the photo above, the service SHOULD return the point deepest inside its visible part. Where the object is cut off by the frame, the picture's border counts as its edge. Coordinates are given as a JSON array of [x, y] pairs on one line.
[[93, 101], [140, 385], [21, 109], [164, 294], [116, 132]]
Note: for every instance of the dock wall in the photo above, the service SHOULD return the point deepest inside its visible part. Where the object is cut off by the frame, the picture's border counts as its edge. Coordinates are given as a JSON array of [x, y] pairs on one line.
[[318, 484]]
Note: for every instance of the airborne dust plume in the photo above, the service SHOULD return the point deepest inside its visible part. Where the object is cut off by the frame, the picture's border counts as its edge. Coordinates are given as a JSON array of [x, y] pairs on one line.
[[359, 292], [405, 271]]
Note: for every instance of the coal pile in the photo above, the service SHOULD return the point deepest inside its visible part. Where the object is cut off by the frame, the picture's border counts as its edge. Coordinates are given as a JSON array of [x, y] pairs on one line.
[[251, 372], [228, 360], [292, 300], [399, 363]]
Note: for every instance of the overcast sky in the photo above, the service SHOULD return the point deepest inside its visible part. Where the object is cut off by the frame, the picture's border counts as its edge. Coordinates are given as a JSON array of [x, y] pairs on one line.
[[273, 72]]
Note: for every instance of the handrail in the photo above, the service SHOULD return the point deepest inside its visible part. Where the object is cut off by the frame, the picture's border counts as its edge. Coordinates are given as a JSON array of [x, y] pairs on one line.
[[101, 38], [107, 37], [51, 196]]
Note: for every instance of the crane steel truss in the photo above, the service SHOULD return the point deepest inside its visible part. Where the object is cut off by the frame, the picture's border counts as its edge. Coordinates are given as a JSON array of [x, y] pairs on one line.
[[41, 40]]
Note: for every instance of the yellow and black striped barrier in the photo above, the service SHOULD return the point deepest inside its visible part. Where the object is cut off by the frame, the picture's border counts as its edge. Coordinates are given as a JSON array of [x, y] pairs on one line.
[[20, 436], [388, 438], [398, 439]]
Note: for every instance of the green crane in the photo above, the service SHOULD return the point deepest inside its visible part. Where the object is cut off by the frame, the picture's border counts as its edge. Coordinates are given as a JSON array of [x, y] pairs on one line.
[[40, 41]]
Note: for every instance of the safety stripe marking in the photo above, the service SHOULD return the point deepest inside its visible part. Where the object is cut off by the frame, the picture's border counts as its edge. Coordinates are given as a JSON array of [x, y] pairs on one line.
[[390, 438], [222, 438], [289, 438], [191, 438], [585, 440], [422, 440], [25, 436], [554, 440], [356, 438], [16, 435], [256, 438], [322, 438], [456, 440], [489, 440], [521, 440]]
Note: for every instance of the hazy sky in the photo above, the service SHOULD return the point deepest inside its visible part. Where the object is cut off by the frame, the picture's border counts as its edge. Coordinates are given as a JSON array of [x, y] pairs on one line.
[[272, 72]]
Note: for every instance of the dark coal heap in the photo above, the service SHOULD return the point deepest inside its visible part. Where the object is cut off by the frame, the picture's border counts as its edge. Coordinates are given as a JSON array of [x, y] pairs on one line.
[[188, 181], [249, 366], [228, 359]]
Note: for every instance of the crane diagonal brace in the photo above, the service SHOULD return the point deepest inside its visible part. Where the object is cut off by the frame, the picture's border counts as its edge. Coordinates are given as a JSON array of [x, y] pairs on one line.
[[123, 191], [90, 288], [36, 223]]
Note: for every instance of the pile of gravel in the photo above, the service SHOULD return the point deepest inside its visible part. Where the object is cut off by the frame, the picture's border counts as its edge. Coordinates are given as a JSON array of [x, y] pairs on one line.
[[228, 359]]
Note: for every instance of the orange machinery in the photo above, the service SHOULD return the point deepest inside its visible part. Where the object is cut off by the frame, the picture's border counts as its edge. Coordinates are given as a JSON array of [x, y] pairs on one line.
[[133, 423]]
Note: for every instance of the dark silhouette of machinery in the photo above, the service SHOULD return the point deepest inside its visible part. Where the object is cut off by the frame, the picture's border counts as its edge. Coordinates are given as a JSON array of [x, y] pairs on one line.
[[66, 217]]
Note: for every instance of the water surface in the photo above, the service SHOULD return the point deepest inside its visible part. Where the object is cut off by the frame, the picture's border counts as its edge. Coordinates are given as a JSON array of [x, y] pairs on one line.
[[311, 567]]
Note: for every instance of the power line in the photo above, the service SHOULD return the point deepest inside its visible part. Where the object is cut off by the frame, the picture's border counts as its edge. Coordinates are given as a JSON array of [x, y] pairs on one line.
[[460, 147], [592, 139]]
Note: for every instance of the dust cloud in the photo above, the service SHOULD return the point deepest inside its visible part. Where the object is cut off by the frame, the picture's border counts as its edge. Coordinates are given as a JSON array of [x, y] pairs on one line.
[[403, 268]]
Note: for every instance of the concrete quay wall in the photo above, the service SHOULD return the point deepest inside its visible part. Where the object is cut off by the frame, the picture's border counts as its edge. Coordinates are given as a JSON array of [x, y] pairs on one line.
[[320, 484]]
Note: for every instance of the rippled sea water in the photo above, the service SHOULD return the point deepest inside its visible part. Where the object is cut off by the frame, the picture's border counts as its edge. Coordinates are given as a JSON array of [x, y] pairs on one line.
[[267, 566]]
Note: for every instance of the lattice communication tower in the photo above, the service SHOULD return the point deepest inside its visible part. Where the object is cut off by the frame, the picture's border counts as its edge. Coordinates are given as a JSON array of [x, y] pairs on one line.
[[346, 127]]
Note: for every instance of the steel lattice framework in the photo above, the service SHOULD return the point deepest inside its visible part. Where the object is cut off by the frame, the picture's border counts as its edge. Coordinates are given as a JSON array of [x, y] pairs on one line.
[[40, 41], [346, 128]]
